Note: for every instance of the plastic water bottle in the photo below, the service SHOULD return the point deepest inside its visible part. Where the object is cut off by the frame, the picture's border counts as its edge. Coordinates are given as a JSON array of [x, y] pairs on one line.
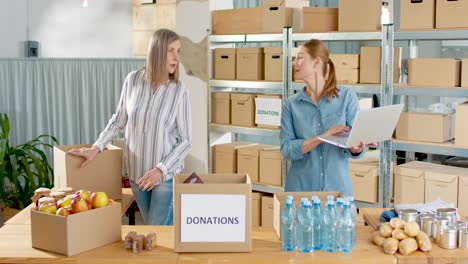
[[353, 208], [346, 229], [339, 215], [339, 207], [288, 228], [330, 198], [305, 228], [317, 217], [329, 226]]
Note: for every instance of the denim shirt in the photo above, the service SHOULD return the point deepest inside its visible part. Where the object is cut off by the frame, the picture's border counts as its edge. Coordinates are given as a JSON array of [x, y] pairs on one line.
[[324, 168]]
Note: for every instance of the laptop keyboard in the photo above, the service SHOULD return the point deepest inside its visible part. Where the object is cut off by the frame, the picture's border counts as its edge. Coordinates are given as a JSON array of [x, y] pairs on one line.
[[341, 139]]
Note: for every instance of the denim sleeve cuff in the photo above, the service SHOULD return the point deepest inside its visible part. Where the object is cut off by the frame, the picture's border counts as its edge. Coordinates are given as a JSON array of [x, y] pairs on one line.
[[297, 149]]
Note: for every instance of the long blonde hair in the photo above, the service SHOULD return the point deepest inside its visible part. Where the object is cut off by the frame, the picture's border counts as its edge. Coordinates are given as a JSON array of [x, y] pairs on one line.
[[317, 48], [156, 58]]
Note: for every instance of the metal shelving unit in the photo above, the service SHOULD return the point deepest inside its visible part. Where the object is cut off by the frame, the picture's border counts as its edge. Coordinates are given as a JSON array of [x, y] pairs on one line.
[[448, 148], [359, 88], [430, 91], [244, 130]]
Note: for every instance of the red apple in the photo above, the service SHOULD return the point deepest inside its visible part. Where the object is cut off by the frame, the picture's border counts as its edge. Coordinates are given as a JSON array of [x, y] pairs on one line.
[[48, 208], [83, 194], [99, 199], [64, 202], [79, 204], [64, 211]]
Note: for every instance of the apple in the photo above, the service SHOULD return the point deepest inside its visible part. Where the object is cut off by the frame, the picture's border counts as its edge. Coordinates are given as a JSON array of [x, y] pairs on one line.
[[50, 208], [84, 194], [64, 211], [79, 204], [111, 202], [99, 199], [64, 202]]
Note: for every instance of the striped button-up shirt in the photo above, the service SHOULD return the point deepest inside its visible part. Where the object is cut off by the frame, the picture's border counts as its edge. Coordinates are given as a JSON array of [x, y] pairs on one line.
[[157, 126]]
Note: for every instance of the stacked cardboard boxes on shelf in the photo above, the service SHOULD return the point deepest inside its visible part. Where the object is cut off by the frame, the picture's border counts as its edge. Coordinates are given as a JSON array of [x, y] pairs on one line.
[[370, 65], [346, 68]]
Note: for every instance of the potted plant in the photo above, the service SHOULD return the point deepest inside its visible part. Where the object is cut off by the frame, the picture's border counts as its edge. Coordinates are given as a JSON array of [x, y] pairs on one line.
[[23, 168]]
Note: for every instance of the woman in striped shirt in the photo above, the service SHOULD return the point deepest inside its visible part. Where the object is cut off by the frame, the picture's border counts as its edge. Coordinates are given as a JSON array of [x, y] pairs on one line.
[[154, 110]]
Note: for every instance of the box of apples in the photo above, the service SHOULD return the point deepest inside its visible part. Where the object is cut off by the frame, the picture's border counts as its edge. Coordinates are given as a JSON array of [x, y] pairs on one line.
[[76, 223]]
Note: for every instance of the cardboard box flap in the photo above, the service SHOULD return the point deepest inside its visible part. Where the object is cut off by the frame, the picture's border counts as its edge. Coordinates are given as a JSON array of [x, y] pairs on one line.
[[230, 147], [409, 172], [273, 153], [440, 176], [273, 50], [221, 96], [225, 51], [249, 151], [217, 178], [319, 10], [249, 50], [241, 97], [362, 169]]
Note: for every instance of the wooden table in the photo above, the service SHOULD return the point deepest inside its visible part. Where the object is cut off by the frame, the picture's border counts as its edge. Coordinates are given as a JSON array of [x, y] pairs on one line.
[[15, 246], [437, 255]]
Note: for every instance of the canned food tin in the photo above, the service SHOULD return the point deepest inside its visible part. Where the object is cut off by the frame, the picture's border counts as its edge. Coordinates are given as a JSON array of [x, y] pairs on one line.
[[439, 222], [408, 215], [420, 216], [426, 225], [461, 235], [451, 213], [464, 239], [448, 238]]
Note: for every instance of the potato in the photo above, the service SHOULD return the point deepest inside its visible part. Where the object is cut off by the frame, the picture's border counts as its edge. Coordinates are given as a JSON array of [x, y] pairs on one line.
[[386, 230], [399, 234], [390, 245], [412, 229], [377, 238], [408, 246], [424, 242], [397, 223]]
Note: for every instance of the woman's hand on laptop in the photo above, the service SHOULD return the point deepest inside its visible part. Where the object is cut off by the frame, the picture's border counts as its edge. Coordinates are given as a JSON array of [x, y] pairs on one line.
[[335, 130], [358, 149]]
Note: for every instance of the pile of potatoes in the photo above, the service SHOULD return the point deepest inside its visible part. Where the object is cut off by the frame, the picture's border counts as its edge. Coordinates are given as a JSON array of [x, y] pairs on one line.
[[401, 236]]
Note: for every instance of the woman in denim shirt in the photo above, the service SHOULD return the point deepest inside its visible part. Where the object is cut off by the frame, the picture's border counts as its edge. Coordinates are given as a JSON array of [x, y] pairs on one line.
[[321, 109]]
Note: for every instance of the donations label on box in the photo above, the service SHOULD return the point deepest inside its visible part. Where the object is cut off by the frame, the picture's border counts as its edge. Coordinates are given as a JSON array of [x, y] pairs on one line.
[[212, 218], [268, 111]]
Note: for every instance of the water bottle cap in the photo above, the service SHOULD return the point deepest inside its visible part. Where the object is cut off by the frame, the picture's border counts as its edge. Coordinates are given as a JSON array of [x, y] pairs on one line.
[[289, 197], [307, 203], [346, 202], [289, 201], [317, 201], [330, 197], [314, 197], [339, 200], [351, 198], [303, 199], [330, 202]]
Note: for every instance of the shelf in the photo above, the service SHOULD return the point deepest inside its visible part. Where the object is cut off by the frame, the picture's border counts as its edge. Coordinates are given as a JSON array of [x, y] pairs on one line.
[[448, 148], [244, 130], [360, 204], [266, 188], [247, 84], [359, 88], [430, 91], [435, 34], [246, 38], [338, 36]]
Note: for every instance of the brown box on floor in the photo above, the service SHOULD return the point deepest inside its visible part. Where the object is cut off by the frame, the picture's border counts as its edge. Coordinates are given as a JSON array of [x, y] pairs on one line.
[[271, 166], [267, 211], [78, 232], [417, 14], [451, 14], [237, 21], [273, 63], [434, 72], [365, 179], [243, 110], [215, 216], [461, 125], [248, 160], [426, 127], [346, 67], [249, 64], [256, 209], [225, 64], [280, 197], [104, 174], [277, 14], [464, 73], [221, 108], [370, 64], [256, 109], [225, 156], [359, 15], [319, 19]]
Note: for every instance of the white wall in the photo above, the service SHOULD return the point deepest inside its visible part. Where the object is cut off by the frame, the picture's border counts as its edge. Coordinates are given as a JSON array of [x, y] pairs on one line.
[[65, 29]]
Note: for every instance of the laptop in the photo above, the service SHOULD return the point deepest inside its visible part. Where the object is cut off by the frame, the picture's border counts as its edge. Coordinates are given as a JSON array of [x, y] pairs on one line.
[[370, 125]]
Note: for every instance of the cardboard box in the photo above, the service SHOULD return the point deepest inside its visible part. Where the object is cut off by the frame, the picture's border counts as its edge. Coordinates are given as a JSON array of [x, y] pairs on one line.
[[319, 19], [271, 117], [76, 233], [225, 64], [409, 184], [256, 209], [359, 15], [441, 183], [271, 166], [153, 17], [464, 73], [461, 125], [347, 76], [434, 72], [348, 61], [141, 39], [370, 64], [249, 64], [104, 174], [417, 14], [427, 127], [451, 14], [463, 191], [225, 199], [225, 156], [248, 160], [277, 14], [267, 211], [237, 21], [280, 197], [273, 63], [221, 108], [365, 180], [242, 110]]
